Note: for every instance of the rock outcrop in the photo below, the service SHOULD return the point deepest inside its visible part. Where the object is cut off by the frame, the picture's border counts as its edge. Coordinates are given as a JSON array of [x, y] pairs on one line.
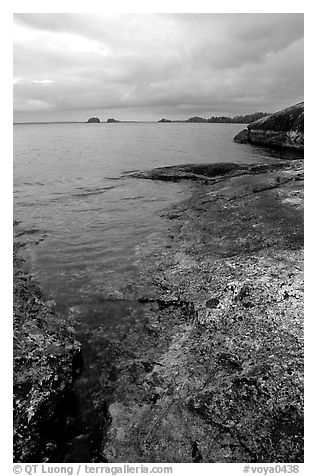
[[45, 353], [214, 372], [284, 128], [205, 173]]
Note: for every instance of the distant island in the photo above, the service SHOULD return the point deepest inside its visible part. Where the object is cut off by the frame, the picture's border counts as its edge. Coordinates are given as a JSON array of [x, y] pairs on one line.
[[93, 119], [246, 119], [97, 120]]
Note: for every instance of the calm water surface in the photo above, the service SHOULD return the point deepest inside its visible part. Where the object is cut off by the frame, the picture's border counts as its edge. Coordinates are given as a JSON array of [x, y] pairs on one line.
[[69, 189]]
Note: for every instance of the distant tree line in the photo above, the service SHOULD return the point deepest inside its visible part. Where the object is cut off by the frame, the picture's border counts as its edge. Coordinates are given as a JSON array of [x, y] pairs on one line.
[[246, 119]]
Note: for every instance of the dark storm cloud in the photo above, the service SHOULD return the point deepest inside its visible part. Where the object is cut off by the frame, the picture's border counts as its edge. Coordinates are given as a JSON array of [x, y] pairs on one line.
[[68, 64]]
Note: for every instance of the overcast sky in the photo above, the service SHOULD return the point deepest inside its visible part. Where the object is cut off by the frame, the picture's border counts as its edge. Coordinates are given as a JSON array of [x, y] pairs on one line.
[[144, 67]]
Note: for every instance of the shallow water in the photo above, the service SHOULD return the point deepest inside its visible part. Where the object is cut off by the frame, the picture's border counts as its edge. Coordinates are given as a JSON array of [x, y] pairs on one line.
[[70, 195]]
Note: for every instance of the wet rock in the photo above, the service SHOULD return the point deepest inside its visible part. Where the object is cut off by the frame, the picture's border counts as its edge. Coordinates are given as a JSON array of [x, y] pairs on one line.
[[204, 173], [44, 348], [195, 172]]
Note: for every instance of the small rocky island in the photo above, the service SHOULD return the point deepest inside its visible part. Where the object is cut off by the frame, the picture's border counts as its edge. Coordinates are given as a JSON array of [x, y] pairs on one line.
[[93, 120]]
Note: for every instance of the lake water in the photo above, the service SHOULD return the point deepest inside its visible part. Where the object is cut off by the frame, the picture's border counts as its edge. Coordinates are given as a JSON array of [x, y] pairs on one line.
[[71, 196]]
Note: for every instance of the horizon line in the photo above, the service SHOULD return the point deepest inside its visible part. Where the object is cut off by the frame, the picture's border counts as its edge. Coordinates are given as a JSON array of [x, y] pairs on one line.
[[184, 121]]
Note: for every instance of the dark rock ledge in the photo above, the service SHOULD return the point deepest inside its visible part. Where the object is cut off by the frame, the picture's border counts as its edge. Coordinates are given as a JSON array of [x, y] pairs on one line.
[[222, 293], [45, 354], [207, 173], [284, 128]]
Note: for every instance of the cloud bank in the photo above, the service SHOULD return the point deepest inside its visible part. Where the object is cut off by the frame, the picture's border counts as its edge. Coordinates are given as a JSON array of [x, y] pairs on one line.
[[146, 66]]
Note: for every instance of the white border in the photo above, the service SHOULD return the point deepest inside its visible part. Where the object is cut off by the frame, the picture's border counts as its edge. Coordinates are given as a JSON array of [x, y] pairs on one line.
[[162, 6]]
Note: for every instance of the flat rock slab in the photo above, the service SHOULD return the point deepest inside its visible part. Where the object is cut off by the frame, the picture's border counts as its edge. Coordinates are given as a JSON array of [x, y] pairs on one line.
[[222, 290], [207, 173]]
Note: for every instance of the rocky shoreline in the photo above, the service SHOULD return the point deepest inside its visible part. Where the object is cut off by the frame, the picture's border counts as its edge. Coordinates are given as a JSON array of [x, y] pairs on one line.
[[211, 369], [45, 356], [214, 371]]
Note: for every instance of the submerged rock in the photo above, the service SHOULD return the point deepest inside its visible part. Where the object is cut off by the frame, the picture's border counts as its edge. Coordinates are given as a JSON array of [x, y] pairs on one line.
[[284, 128]]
